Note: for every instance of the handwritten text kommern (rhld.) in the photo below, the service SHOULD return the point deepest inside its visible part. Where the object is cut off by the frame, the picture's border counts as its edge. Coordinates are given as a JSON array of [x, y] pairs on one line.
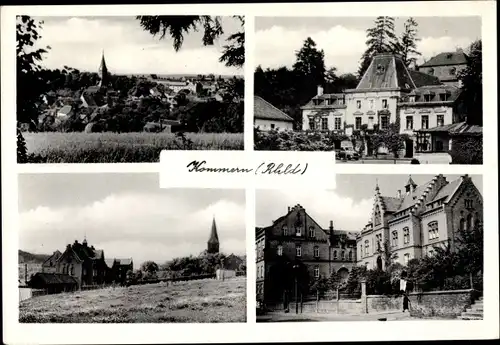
[[264, 168]]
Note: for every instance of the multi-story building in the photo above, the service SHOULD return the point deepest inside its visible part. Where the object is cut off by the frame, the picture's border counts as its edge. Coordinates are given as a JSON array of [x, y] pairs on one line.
[[296, 241], [446, 67], [422, 218], [387, 92]]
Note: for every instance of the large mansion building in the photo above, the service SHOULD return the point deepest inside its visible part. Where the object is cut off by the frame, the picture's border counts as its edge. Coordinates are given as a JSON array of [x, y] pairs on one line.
[[422, 217], [297, 240], [389, 91]]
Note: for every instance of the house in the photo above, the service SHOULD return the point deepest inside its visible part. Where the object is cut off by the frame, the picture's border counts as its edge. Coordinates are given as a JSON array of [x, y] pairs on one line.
[[324, 112], [88, 100], [422, 218], [53, 282], [118, 269], [446, 67], [295, 246], [178, 85], [66, 111], [50, 265], [233, 262], [268, 117]]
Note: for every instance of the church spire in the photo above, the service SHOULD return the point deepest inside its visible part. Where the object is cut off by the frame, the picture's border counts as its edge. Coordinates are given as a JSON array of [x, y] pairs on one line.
[[213, 241], [103, 72], [410, 185]]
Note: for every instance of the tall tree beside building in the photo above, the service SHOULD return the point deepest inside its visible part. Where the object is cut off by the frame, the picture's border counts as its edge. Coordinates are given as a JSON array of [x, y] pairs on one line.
[[177, 26], [380, 39], [310, 69], [407, 43], [472, 85]]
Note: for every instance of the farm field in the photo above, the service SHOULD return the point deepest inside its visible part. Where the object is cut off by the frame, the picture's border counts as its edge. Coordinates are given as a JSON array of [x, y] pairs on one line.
[[197, 301], [79, 147]]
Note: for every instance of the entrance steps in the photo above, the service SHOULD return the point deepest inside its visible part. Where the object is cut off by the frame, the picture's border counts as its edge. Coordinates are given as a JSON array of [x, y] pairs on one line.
[[475, 312]]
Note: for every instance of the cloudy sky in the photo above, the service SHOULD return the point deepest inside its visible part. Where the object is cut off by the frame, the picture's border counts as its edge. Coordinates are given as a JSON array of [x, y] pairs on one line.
[[349, 205], [78, 42], [343, 39], [126, 215]]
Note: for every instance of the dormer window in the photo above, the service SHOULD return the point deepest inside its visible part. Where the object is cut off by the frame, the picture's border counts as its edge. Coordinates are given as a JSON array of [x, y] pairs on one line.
[[431, 71], [412, 99], [449, 56], [453, 71], [443, 97], [427, 98], [380, 69]]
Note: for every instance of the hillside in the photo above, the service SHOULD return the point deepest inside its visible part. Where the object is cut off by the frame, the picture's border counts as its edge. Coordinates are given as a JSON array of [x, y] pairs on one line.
[[198, 301], [25, 257]]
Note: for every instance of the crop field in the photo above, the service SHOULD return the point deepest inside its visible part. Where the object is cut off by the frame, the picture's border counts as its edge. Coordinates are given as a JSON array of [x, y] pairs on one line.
[[197, 301], [141, 147]]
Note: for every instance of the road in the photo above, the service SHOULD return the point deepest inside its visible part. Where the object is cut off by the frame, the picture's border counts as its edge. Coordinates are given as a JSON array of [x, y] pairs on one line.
[[316, 317]]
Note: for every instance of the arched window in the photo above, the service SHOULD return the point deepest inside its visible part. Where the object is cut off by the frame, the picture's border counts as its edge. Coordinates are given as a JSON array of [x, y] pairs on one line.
[[377, 215], [469, 222], [316, 251], [311, 232], [280, 250], [367, 246], [350, 255], [406, 235], [462, 224], [334, 255], [284, 228], [342, 255], [453, 71]]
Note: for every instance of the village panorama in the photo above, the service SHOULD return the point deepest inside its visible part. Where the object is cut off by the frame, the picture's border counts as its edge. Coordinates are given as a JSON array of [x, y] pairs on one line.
[[117, 112]]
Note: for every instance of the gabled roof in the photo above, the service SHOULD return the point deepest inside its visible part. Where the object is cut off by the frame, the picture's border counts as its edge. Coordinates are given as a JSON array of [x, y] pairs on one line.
[[447, 58], [109, 262], [55, 256], [265, 110], [448, 189], [409, 200], [53, 278]]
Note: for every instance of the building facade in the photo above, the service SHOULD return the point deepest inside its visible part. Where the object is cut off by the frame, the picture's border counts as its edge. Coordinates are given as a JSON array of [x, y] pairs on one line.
[[446, 67], [296, 246], [388, 93], [412, 223], [267, 117]]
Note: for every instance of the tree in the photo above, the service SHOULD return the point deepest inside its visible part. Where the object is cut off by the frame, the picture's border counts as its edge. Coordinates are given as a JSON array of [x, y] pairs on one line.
[[310, 69], [380, 39], [471, 98], [30, 85], [407, 44], [177, 26], [150, 267]]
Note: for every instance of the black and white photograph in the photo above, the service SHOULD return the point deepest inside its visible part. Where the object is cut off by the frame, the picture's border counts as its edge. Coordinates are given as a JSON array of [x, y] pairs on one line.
[[126, 251], [377, 248], [393, 90], [120, 89]]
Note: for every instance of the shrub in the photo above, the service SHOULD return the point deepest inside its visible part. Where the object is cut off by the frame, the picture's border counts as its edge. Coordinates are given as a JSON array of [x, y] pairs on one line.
[[415, 161], [467, 150]]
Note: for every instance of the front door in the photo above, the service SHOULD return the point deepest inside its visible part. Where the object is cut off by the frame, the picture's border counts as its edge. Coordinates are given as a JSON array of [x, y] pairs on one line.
[[409, 148]]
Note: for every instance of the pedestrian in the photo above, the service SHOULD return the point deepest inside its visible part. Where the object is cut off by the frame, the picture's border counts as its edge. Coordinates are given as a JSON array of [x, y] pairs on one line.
[[406, 301]]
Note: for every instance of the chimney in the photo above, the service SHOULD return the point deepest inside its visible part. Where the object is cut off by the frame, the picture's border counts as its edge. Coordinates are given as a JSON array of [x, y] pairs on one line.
[[289, 209], [399, 194], [320, 90], [331, 225]]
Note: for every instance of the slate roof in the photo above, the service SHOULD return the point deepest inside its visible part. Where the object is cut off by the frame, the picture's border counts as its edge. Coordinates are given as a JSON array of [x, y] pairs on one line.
[[386, 71], [318, 101], [447, 58], [447, 190], [391, 204], [56, 255], [422, 79], [460, 128], [214, 237], [265, 110], [433, 93], [53, 278]]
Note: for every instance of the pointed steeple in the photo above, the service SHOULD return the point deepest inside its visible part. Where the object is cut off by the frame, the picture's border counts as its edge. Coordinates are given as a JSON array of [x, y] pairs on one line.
[[410, 185], [103, 71], [213, 241], [377, 189]]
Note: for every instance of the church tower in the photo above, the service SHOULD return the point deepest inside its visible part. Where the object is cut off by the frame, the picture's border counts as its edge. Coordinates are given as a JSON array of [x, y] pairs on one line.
[[213, 241], [103, 72]]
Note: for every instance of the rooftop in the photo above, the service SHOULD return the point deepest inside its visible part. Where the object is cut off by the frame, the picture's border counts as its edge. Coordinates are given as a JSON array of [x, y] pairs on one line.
[[265, 110], [447, 58]]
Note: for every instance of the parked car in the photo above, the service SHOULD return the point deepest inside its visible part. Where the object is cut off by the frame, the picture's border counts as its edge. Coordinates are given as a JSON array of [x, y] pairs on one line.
[[346, 154]]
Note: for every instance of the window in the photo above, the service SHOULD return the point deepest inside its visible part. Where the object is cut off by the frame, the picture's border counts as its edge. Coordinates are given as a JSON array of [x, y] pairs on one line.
[[468, 204], [298, 231], [358, 122], [272, 125], [378, 238], [453, 71], [394, 242], [433, 230], [95, 272], [469, 222], [311, 232], [71, 269], [384, 122], [443, 97], [280, 250], [360, 250], [406, 235], [316, 251], [334, 255], [377, 215], [425, 121], [367, 246], [406, 258], [342, 256], [409, 122], [311, 124], [412, 99], [440, 120], [384, 103], [430, 252], [358, 104], [285, 230], [316, 272], [428, 98], [462, 224], [350, 255], [298, 250], [371, 103], [370, 122], [338, 123], [431, 71], [324, 124]]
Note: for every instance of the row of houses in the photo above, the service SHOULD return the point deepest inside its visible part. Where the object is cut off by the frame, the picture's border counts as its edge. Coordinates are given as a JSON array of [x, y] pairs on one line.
[[80, 265], [413, 222]]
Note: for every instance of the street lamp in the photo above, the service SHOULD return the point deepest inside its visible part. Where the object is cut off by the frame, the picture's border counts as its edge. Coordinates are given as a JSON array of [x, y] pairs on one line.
[[296, 269]]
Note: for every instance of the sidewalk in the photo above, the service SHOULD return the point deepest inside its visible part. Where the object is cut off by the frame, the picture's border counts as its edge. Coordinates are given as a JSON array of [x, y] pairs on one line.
[[316, 317]]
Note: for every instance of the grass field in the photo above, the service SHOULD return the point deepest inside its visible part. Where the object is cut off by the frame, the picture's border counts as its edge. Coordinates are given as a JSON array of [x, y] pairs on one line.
[[78, 147], [196, 301]]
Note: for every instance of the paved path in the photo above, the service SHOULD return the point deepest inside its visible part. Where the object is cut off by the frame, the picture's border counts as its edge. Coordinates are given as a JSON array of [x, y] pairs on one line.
[[315, 317]]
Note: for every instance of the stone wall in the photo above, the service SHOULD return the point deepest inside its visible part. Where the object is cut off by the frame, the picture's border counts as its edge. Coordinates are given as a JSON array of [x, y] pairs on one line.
[[376, 303], [441, 303]]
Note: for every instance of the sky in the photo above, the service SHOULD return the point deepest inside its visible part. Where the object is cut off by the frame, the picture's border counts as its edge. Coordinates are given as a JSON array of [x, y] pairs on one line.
[[343, 38], [349, 205], [126, 215], [78, 42]]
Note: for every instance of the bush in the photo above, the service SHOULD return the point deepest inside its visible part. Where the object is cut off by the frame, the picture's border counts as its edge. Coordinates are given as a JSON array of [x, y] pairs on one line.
[[415, 161], [467, 150], [296, 141]]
